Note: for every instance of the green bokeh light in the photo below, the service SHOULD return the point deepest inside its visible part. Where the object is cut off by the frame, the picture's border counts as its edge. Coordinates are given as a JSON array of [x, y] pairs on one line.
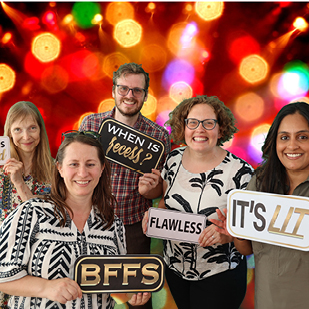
[[84, 12]]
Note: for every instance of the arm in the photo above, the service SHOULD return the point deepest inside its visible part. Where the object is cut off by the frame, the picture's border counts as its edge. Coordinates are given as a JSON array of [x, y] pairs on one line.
[[61, 290], [14, 169]]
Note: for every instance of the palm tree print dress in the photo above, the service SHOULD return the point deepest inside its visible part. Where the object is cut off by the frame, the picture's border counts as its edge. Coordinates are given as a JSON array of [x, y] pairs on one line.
[[201, 193]]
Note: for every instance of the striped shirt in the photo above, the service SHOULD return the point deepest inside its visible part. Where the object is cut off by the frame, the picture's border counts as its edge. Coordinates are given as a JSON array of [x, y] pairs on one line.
[[131, 205]]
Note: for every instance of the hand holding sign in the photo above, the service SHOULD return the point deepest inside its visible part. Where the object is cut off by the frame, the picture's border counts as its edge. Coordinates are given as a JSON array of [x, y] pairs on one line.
[[5, 153]]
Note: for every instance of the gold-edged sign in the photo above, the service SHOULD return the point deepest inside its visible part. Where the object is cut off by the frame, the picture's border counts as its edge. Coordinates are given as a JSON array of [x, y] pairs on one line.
[[119, 273], [281, 220], [5, 152], [130, 148]]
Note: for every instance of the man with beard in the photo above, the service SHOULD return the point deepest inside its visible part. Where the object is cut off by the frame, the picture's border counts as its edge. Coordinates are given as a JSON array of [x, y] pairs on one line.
[[134, 195]]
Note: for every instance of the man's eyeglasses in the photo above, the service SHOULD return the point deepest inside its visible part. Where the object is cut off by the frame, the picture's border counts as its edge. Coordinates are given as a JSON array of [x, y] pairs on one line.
[[208, 124], [124, 90], [72, 133]]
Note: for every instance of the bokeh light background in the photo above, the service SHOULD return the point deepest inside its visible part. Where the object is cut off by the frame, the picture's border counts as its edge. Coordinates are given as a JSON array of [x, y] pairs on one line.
[[61, 56]]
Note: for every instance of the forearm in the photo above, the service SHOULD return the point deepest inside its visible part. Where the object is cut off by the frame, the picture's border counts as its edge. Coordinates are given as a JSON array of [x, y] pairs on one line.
[[23, 191], [27, 286], [243, 246]]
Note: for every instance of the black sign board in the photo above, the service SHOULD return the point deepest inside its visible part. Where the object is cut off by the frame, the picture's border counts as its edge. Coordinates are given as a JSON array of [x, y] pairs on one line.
[[119, 273], [130, 148]]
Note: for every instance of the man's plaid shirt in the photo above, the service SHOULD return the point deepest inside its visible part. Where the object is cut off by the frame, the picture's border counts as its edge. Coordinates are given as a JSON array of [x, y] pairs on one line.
[[131, 205]]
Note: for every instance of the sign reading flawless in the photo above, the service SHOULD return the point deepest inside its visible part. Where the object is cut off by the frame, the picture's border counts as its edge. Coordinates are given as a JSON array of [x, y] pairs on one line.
[[119, 273], [130, 148], [281, 220], [175, 225]]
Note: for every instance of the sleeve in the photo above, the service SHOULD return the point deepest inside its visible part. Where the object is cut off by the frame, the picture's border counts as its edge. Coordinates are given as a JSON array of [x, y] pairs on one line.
[[121, 236], [252, 184], [15, 237]]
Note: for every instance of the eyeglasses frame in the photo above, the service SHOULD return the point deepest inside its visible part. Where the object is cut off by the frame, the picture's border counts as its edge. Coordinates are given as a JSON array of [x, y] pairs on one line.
[[200, 122]]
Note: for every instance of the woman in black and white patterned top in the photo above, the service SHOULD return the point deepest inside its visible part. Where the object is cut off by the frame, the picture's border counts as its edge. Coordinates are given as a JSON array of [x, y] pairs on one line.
[[41, 240], [197, 179]]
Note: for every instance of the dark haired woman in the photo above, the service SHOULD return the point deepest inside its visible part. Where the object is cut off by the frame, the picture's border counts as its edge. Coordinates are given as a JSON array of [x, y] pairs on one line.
[[42, 238], [281, 274], [197, 179]]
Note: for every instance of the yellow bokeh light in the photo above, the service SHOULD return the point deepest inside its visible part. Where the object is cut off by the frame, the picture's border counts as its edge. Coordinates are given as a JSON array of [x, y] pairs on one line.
[[46, 47], [7, 78], [151, 6], [78, 123], [106, 105], [68, 19], [209, 10], [188, 7], [253, 69], [128, 33], [149, 108], [180, 91], [6, 38], [273, 84], [118, 11], [153, 58], [301, 99], [300, 24], [97, 19], [166, 103], [174, 38], [249, 107], [112, 62]]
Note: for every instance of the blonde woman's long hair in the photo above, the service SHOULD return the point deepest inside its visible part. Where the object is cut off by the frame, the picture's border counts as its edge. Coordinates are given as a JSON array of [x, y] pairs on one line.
[[42, 165]]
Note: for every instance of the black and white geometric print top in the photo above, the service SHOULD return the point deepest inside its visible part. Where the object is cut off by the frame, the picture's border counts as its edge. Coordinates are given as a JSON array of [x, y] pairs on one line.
[[201, 193], [33, 243]]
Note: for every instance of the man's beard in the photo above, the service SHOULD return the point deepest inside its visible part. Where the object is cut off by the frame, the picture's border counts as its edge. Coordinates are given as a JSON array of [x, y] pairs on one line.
[[131, 113]]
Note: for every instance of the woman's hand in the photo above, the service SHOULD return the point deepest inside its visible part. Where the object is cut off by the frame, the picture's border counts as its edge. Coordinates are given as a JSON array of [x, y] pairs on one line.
[[139, 299], [215, 233], [145, 222], [62, 290], [14, 168]]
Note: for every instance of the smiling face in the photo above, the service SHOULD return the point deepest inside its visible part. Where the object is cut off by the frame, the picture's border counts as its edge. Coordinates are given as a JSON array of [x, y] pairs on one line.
[[25, 133], [81, 170], [292, 143], [129, 105], [200, 139]]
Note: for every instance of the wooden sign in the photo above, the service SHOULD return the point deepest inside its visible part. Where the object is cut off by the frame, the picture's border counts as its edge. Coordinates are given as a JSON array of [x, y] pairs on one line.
[[175, 225], [130, 148], [281, 220], [119, 273], [5, 152]]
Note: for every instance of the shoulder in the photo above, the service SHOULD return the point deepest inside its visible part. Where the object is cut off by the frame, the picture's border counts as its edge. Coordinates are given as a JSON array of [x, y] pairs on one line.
[[93, 119], [153, 126], [235, 160]]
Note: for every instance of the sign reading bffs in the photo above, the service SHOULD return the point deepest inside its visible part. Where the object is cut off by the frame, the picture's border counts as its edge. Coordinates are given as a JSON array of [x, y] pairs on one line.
[[119, 273], [275, 219], [129, 147], [175, 225], [5, 152]]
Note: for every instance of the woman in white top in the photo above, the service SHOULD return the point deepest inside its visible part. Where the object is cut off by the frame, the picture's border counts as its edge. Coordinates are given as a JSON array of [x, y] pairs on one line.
[[197, 179]]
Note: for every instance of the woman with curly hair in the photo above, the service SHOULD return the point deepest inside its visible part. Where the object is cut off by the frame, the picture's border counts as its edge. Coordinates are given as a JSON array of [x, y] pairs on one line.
[[197, 179]]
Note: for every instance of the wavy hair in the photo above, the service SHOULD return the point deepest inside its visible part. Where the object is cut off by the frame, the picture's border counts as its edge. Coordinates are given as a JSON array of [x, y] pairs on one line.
[[130, 68], [271, 174], [102, 196], [225, 118], [42, 161]]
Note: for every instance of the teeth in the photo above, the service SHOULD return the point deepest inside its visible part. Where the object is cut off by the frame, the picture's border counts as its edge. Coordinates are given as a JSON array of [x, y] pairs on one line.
[[200, 139], [129, 102], [81, 182], [293, 155]]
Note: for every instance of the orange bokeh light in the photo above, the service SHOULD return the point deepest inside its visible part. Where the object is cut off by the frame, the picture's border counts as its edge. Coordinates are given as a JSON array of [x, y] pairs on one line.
[[150, 107], [54, 79], [112, 62], [153, 58], [128, 33], [7, 78], [46, 47], [253, 69], [249, 107], [118, 11], [209, 10], [106, 105]]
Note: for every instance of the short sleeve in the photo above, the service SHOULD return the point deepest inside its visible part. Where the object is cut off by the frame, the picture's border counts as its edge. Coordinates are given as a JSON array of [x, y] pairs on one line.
[[15, 236]]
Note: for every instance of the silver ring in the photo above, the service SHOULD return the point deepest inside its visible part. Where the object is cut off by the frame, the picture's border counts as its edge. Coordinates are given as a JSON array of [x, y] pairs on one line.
[[213, 237]]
